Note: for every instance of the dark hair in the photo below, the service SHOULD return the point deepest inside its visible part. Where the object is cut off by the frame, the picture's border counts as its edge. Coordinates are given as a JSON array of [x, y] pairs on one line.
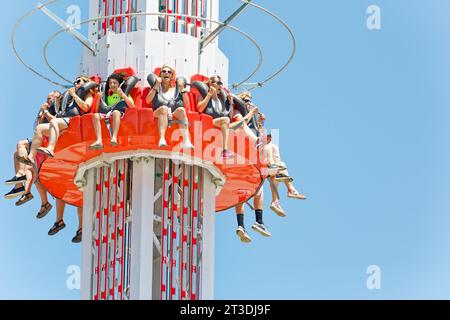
[[115, 76]]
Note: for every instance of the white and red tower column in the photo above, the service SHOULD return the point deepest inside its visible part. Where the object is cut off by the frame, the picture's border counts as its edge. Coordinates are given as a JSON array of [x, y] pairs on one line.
[[148, 229]]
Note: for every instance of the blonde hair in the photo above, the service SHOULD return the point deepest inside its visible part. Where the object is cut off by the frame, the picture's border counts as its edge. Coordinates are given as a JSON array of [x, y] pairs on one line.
[[174, 76], [244, 94]]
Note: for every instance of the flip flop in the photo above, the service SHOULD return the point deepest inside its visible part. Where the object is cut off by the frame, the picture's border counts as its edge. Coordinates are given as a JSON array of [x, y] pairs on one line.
[[114, 143], [45, 151]]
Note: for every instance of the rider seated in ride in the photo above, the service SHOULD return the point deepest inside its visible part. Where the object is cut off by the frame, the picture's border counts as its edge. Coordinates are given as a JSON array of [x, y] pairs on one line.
[[83, 97], [169, 99], [216, 102], [22, 180], [245, 115], [117, 100]]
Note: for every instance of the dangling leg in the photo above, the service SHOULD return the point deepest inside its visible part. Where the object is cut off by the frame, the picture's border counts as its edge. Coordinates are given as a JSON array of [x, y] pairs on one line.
[[259, 226], [78, 236], [116, 126], [98, 144], [240, 231], [224, 125], [180, 114], [45, 205], [162, 114], [40, 131], [56, 126], [59, 224]]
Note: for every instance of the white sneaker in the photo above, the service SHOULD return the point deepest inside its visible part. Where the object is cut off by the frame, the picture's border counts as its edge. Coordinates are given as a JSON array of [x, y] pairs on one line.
[[243, 235], [276, 207], [262, 229], [187, 145], [162, 143]]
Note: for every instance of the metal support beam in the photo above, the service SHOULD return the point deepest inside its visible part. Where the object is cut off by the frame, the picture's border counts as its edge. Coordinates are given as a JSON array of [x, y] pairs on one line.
[[69, 29], [219, 29]]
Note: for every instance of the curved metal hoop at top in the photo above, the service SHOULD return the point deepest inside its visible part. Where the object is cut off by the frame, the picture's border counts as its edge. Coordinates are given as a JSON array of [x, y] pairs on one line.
[[260, 55], [234, 86]]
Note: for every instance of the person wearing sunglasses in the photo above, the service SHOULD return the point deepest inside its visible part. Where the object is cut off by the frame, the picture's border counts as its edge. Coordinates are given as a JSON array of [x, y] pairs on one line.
[[169, 98], [117, 101], [79, 106], [57, 123], [22, 180], [247, 122], [217, 104]]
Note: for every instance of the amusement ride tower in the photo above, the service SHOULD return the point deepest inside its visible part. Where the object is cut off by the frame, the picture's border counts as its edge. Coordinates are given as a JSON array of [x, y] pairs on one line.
[[149, 212]]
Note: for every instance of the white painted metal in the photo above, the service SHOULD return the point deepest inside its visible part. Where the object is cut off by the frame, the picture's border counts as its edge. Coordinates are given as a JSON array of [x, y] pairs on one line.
[[148, 48], [208, 258], [87, 254], [144, 49], [142, 234]]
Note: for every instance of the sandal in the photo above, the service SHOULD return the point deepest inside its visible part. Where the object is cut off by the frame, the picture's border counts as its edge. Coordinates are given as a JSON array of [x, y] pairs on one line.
[[58, 226], [42, 213], [295, 194], [96, 146], [45, 151], [25, 160], [24, 199], [78, 236]]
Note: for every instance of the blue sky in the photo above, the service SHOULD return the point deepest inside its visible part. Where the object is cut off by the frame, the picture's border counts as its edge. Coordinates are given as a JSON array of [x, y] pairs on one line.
[[364, 130]]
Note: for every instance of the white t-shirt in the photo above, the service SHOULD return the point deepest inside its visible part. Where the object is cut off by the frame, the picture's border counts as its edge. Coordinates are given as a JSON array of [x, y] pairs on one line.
[[170, 94], [217, 105]]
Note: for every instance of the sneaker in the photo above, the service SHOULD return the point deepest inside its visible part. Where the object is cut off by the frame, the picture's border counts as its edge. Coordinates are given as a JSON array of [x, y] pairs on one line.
[[281, 177], [227, 154], [24, 199], [296, 195], [243, 235], [162, 143], [187, 145], [262, 229], [15, 193], [276, 207], [78, 236], [16, 180]]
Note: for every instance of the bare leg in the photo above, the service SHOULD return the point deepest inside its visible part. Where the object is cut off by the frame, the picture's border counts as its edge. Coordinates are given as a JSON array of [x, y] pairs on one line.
[[42, 193], [180, 114], [80, 218], [162, 114], [224, 124], [60, 206], [97, 128], [56, 126], [116, 125], [258, 200], [40, 131], [274, 189]]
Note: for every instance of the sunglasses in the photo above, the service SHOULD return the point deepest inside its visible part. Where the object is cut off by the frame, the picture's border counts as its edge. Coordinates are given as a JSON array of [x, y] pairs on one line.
[[77, 82], [166, 71], [220, 83], [247, 100]]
